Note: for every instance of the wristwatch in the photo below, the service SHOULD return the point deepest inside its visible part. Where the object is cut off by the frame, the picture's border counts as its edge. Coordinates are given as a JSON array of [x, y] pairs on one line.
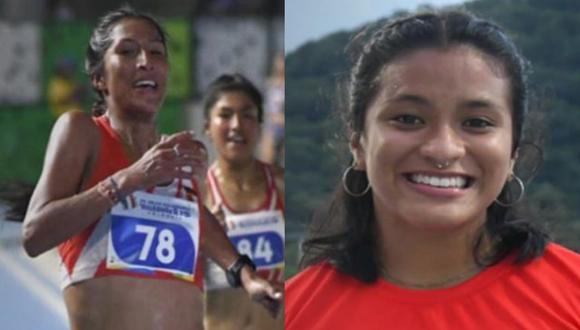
[[233, 273]]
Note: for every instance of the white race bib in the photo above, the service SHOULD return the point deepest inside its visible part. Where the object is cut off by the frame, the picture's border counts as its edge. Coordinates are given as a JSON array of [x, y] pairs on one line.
[[259, 235]]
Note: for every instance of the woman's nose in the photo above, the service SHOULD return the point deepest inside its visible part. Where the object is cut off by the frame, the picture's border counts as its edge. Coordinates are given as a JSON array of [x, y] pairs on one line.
[[444, 145], [236, 121], [144, 61]]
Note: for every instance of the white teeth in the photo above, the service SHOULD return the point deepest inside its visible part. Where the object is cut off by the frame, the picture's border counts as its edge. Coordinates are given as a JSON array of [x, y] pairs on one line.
[[441, 182], [433, 181], [145, 83], [453, 181], [236, 138]]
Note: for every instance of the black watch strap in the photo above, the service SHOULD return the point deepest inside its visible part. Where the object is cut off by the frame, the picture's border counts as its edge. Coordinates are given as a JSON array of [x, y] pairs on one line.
[[233, 273]]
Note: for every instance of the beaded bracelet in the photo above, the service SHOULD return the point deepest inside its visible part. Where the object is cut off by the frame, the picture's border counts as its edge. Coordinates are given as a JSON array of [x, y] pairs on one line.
[[110, 190], [117, 192], [106, 191]]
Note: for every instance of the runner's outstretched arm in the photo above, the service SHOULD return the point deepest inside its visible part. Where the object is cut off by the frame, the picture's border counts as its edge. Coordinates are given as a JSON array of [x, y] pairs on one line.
[[219, 248]]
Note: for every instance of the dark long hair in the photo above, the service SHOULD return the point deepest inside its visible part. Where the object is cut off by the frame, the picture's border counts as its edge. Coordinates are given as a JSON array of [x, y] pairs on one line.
[[101, 41], [344, 233], [15, 196]]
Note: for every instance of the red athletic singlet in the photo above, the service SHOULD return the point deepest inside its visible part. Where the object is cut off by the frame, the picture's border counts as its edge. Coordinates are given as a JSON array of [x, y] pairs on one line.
[[271, 203], [84, 255]]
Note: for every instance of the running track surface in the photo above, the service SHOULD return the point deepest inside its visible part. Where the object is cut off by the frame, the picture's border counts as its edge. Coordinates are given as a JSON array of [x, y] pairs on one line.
[[30, 297]]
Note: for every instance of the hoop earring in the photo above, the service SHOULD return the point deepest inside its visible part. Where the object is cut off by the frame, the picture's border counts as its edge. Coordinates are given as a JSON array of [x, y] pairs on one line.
[[520, 196], [345, 185]]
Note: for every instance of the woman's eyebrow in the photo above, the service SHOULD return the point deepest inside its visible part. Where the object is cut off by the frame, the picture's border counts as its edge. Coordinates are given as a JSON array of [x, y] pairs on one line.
[[410, 98], [480, 104], [133, 40], [249, 108], [476, 103], [127, 40]]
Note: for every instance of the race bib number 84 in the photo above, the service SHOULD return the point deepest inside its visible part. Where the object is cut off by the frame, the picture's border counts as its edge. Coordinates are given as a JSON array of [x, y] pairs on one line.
[[259, 235], [157, 233]]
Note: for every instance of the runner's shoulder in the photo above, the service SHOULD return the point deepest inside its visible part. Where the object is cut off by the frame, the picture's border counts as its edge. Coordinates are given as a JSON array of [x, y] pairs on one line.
[[75, 125]]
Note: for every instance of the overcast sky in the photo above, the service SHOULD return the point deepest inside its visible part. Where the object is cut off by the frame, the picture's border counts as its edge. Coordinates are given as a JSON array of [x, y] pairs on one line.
[[307, 20]]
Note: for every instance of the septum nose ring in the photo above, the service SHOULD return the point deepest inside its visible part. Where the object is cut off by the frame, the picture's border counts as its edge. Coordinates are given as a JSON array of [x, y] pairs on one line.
[[442, 165]]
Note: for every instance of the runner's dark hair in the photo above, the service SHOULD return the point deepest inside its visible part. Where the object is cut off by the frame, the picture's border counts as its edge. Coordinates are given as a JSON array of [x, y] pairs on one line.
[[232, 83]]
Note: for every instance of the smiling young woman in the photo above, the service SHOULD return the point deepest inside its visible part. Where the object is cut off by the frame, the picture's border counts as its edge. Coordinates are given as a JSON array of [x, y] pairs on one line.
[[422, 233]]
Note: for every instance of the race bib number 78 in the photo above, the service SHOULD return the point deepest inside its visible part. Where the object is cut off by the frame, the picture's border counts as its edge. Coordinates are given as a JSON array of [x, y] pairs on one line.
[[156, 233]]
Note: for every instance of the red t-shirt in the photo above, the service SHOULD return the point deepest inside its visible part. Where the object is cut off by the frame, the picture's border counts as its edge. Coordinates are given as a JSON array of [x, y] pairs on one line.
[[542, 294]]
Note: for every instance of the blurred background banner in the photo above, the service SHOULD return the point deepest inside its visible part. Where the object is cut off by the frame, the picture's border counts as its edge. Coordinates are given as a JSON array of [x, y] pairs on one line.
[[42, 76], [236, 45], [20, 64], [548, 34]]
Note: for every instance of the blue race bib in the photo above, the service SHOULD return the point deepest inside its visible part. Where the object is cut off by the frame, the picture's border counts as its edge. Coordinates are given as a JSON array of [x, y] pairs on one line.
[[154, 233]]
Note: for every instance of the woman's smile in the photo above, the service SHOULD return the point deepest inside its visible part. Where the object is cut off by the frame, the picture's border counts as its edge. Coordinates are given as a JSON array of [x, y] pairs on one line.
[[236, 139], [439, 184]]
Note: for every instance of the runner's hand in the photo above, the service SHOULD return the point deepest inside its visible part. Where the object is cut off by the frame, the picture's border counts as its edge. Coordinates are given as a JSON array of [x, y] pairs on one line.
[[179, 156], [268, 294]]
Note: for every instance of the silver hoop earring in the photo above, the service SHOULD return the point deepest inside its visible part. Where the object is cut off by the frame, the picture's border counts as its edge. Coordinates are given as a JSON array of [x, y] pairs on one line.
[[345, 185], [520, 196]]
